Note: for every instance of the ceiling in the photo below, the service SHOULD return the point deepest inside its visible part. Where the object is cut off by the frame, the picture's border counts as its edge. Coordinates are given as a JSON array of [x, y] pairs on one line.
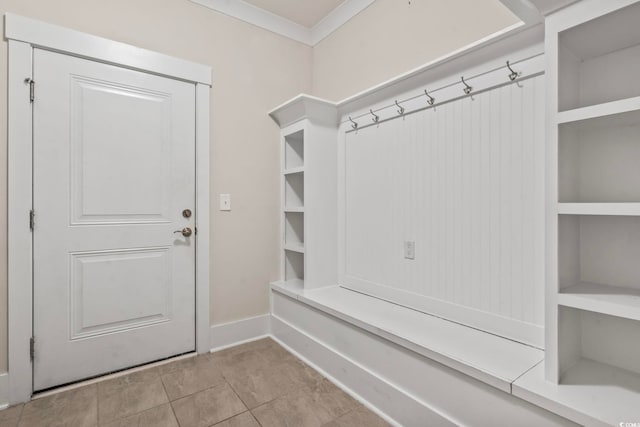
[[305, 13], [310, 21]]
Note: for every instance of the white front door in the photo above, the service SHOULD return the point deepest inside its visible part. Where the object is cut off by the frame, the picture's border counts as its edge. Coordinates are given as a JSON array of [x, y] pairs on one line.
[[114, 168]]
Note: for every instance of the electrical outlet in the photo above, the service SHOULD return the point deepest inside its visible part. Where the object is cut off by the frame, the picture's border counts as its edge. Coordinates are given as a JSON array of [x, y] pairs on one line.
[[225, 202], [410, 250]]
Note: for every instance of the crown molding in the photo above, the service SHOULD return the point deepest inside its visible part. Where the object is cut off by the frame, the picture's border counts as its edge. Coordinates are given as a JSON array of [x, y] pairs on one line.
[[277, 24], [532, 12], [303, 107], [337, 18]]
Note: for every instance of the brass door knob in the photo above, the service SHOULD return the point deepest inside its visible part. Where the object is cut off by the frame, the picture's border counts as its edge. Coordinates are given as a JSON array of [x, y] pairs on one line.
[[186, 232]]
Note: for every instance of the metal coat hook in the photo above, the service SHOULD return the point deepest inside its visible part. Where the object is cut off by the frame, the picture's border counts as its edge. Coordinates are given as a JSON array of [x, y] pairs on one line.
[[375, 118], [431, 99], [400, 108], [467, 89], [354, 125], [514, 74]]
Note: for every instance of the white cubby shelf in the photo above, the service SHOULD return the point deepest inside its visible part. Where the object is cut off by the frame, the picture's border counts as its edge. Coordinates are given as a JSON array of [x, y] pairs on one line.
[[598, 160], [308, 141], [598, 263], [293, 204], [593, 303], [599, 60]]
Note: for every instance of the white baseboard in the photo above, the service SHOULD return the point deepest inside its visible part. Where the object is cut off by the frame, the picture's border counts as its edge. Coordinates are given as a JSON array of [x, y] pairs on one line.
[[4, 390], [239, 332]]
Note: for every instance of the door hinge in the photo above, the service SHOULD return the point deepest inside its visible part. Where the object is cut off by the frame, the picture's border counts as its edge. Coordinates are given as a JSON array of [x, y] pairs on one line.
[[32, 88], [32, 219], [32, 348]]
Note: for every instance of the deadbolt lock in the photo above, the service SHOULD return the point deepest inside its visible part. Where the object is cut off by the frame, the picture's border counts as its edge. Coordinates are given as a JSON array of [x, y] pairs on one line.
[[186, 213], [186, 232]]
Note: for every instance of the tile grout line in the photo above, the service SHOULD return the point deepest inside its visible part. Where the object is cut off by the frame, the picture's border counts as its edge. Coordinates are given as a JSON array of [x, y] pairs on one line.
[[97, 384], [173, 411]]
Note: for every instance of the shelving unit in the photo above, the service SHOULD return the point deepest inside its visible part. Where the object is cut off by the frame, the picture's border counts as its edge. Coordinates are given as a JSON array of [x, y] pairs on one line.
[[593, 241], [309, 192], [293, 204]]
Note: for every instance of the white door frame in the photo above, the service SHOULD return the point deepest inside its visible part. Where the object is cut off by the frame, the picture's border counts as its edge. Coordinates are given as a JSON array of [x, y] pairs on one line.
[[23, 35]]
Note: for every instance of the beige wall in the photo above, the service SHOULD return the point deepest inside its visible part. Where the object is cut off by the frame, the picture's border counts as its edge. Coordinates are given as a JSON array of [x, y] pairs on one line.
[[254, 70], [391, 37]]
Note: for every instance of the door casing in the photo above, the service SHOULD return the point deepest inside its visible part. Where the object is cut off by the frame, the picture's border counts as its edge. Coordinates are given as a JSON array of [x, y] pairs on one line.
[[23, 35]]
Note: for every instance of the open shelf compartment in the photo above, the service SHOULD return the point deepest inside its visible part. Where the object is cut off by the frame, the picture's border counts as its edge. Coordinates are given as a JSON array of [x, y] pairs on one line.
[[598, 160], [294, 191], [605, 344], [606, 46], [294, 228], [293, 266], [294, 150], [598, 266]]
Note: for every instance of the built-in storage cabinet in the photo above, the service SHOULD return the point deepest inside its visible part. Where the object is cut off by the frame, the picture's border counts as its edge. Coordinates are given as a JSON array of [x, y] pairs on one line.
[[599, 60], [308, 141], [593, 269], [293, 205]]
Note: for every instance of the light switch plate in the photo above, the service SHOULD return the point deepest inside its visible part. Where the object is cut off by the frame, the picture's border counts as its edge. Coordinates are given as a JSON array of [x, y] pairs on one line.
[[410, 250], [225, 202]]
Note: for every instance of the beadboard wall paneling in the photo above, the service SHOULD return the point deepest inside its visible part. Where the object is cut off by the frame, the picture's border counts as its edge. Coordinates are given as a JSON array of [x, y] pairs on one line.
[[465, 181]]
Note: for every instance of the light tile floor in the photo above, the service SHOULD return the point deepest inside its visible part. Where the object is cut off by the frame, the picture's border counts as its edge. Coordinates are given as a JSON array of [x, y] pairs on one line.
[[252, 385]]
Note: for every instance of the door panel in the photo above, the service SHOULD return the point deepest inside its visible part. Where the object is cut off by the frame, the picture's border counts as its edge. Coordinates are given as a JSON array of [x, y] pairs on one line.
[[99, 279], [114, 166], [99, 141]]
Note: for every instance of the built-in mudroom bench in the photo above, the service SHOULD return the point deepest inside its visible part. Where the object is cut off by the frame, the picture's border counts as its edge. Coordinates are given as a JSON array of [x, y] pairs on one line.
[[459, 243]]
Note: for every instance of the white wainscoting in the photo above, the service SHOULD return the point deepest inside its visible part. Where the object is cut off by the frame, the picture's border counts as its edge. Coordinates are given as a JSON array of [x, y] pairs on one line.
[[238, 332], [465, 182]]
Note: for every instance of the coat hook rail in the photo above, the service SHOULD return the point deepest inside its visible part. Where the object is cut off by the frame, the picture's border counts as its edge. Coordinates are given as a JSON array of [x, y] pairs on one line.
[[431, 100]]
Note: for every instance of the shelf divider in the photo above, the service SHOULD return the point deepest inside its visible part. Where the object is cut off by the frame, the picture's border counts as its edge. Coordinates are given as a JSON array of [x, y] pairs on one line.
[[298, 209], [622, 209], [606, 299], [294, 247], [599, 110], [291, 171]]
